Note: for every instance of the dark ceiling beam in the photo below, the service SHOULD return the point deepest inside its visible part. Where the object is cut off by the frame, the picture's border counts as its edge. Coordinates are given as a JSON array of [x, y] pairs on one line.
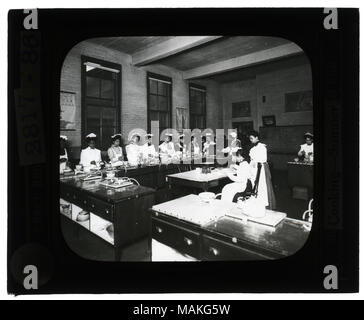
[[258, 57], [169, 48]]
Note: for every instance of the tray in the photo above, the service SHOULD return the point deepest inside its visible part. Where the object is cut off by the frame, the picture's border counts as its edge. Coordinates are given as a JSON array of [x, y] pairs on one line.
[[114, 185]]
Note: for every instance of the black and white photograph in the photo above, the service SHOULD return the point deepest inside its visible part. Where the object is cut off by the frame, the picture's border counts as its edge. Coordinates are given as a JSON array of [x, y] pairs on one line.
[[176, 153], [186, 148]]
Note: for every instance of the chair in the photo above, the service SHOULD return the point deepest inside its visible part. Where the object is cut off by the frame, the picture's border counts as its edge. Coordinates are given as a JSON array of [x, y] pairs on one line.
[[230, 192]]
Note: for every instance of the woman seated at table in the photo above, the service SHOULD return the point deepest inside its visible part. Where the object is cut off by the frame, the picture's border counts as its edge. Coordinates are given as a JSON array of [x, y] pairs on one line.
[[180, 146], [233, 148], [306, 150], [63, 156], [166, 148], [194, 147], [115, 152], [209, 146], [90, 157], [241, 185], [133, 150], [148, 148]]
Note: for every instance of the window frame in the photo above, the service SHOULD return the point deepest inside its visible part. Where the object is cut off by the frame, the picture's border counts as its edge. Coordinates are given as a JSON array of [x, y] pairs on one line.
[[161, 78], [197, 87], [118, 92]]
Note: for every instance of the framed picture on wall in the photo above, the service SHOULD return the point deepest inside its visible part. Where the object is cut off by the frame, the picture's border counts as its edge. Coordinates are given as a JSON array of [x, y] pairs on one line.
[[298, 101], [269, 121], [68, 111], [241, 109]]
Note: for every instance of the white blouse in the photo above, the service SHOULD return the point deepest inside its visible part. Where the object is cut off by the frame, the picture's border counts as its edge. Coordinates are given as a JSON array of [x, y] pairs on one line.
[[168, 148], [149, 151], [114, 153], [88, 155], [133, 151], [306, 148], [258, 153]]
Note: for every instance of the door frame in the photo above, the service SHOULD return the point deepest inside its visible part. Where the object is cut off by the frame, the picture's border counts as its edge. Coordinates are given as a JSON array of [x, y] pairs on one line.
[[242, 121], [83, 92]]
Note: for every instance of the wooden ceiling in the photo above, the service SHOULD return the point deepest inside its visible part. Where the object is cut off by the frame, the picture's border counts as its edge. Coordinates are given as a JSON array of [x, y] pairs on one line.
[[198, 57], [221, 49], [129, 45]]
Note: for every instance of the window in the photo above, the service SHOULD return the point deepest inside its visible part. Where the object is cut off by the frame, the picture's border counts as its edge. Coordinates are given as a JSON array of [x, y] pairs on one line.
[[100, 100], [197, 107], [159, 100]]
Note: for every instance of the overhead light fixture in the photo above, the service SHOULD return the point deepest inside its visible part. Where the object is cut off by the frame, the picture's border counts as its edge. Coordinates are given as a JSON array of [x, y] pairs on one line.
[[91, 65]]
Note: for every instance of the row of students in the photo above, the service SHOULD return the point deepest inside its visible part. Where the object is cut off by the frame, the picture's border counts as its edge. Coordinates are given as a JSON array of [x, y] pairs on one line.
[[92, 156], [135, 153]]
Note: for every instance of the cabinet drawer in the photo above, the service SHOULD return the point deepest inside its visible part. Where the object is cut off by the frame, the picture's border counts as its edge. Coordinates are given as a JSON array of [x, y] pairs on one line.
[[101, 208], [72, 195], [177, 237], [214, 249]]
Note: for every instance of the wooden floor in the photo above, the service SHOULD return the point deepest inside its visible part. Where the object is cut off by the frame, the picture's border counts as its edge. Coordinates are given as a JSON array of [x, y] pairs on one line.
[[88, 247]]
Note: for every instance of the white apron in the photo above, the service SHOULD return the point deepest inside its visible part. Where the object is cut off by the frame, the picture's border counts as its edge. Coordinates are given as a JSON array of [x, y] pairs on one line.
[[258, 154]]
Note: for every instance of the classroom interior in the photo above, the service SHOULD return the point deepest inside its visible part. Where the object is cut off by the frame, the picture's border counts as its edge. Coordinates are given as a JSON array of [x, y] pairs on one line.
[[117, 84]]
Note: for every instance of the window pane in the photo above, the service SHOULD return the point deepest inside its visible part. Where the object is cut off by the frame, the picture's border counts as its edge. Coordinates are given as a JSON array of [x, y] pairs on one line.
[[162, 88], [153, 102], [107, 89], [163, 120], [153, 86], [93, 116], [109, 117], [201, 122], [92, 87], [154, 116], [163, 103], [159, 103]]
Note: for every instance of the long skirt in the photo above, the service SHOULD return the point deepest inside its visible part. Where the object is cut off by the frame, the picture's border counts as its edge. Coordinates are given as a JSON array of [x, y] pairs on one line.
[[270, 191]]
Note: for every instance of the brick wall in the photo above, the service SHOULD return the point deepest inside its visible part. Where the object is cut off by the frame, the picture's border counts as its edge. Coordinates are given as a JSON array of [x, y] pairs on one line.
[[272, 81], [133, 89]]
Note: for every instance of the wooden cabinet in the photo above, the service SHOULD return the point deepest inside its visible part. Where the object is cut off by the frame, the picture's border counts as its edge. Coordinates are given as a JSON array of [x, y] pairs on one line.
[[181, 239], [127, 210], [227, 239], [214, 249]]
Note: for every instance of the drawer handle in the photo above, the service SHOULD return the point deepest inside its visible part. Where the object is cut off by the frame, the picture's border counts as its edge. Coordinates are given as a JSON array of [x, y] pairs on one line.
[[92, 206], [214, 251], [84, 202], [188, 241], [159, 230], [107, 211]]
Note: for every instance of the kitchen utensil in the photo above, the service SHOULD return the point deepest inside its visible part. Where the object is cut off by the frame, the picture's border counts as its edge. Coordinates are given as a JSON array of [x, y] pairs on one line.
[[206, 196], [83, 216]]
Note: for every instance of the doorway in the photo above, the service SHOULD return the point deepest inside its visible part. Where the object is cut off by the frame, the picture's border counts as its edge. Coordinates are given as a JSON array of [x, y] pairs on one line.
[[243, 128]]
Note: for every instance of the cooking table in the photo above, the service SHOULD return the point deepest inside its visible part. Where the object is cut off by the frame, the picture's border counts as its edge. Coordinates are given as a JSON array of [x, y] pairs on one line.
[[204, 232], [200, 181]]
